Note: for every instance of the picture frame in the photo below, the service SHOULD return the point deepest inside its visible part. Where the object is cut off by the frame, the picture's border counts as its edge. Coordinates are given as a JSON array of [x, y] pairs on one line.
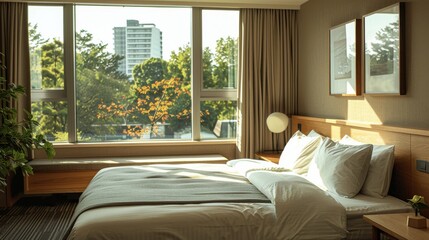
[[384, 51], [345, 59]]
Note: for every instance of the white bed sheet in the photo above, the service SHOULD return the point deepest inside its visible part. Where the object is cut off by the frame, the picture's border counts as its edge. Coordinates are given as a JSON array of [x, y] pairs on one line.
[[362, 204], [292, 214]]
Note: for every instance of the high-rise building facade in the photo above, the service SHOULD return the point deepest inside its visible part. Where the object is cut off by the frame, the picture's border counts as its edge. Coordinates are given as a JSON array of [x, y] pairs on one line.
[[136, 42]]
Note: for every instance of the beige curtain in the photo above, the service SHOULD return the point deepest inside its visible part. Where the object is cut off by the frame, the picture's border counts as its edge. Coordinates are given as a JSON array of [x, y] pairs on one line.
[[14, 46], [268, 76]]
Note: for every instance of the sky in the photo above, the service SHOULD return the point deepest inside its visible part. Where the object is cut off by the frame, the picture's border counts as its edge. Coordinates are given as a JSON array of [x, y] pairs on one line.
[[175, 23], [375, 23]]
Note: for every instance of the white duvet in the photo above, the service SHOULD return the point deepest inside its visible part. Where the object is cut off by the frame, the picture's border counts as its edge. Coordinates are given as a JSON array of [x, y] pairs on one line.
[[298, 210]]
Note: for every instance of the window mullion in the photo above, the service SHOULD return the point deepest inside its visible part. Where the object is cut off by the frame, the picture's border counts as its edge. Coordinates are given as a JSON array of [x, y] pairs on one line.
[[69, 70], [197, 73], [48, 95], [221, 94]]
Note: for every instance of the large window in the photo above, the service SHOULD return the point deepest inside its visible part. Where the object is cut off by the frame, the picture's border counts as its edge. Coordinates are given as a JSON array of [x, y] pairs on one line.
[[90, 84], [220, 58], [48, 94]]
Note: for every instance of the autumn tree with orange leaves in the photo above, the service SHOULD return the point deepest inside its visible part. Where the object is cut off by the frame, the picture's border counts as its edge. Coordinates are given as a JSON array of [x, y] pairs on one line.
[[153, 106]]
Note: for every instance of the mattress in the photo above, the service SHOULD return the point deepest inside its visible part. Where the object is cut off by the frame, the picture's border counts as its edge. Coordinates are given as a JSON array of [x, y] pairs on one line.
[[362, 204]]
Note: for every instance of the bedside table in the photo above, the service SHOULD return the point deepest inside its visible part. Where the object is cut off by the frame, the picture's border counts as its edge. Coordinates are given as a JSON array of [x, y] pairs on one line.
[[270, 156], [395, 225]]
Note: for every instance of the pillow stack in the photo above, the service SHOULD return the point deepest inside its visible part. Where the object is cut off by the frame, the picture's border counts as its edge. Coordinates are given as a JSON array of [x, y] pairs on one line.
[[344, 168], [340, 169], [377, 181], [349, 167]]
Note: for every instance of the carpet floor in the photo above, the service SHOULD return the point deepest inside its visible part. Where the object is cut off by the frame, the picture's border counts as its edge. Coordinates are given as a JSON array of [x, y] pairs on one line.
[[37, 218]]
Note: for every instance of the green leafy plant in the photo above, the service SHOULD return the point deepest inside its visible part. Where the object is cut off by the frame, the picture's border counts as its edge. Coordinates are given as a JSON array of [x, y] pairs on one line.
[[16, 137], [417, 203]]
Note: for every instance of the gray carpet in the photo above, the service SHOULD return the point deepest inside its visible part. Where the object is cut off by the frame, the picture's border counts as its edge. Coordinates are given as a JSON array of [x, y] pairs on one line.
[[37, 218]]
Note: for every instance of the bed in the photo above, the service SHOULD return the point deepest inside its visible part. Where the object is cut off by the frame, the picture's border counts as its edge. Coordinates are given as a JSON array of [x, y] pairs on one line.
[[278, 203], [269, 214]]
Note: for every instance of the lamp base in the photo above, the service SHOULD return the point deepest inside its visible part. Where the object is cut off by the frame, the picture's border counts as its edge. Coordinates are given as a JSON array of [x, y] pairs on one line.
[[416, 221]]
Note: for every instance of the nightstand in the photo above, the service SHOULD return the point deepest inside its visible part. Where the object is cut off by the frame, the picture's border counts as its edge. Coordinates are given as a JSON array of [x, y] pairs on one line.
[[270, 156], [395, 225]]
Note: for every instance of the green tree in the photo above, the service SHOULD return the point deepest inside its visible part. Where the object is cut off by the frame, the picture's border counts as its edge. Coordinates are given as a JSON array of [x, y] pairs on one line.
[[208, 68], [150, 71], [224, 72], [52, 117], [179, 66], [47, 72], [52, 64], [385, 51], [221, 73], [98, 80], [35, 40]]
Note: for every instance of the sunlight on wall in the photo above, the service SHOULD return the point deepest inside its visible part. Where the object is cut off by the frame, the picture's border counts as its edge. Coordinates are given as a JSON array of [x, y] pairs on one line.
[[361, 110]]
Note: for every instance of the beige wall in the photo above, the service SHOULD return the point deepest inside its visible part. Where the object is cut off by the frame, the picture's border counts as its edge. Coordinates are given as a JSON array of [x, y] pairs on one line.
[[315, 18]]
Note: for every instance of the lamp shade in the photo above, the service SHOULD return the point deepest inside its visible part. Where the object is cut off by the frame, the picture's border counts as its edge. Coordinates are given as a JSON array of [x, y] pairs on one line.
[[277, 122]]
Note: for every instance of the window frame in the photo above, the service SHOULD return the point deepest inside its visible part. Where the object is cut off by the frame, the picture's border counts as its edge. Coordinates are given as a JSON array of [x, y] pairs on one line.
[[198, 94]]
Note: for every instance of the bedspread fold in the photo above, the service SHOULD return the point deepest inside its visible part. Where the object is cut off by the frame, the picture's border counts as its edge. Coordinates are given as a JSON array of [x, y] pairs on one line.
[[303, 210]]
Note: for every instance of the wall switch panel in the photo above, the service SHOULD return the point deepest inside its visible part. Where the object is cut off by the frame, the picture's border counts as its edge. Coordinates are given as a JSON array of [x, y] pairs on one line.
[[422, 165]]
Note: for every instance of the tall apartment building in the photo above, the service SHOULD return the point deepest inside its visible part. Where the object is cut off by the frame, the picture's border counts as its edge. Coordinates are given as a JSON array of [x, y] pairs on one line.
[[136, 42]]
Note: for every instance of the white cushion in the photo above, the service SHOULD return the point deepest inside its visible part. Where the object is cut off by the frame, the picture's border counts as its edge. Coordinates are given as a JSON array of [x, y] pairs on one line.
[[313, 133], [313, 174], [299, 152], [377, 181], [341, 168]]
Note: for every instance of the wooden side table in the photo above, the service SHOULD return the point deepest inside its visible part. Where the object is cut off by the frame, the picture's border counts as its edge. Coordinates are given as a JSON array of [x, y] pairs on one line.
[[270, 156], [395, 225]]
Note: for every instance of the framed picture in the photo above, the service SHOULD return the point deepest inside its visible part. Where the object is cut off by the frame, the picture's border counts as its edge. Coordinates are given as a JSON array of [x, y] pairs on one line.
[[384, 51], [345, 60]]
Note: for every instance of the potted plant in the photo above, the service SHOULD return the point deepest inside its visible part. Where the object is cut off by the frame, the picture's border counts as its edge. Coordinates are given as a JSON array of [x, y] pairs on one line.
[[16, 137], [417, 221]]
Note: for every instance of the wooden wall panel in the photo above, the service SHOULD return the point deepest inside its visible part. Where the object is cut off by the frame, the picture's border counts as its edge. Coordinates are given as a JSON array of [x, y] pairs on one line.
[[420, 180]]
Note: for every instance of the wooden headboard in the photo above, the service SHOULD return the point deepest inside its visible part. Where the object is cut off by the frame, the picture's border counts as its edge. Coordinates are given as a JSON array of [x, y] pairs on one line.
[[410, 145]]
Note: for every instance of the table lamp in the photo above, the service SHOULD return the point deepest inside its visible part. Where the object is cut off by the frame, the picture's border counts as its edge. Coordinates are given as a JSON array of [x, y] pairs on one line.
[[277, 122]]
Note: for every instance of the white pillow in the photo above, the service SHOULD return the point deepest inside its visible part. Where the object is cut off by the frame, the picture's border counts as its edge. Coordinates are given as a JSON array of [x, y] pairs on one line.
[[299, 152], [313, 174], [377, 181], [313, 133], [342, 168]]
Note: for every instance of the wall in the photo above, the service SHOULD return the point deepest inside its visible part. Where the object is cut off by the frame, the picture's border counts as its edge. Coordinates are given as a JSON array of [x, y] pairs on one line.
[[315, 18]]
